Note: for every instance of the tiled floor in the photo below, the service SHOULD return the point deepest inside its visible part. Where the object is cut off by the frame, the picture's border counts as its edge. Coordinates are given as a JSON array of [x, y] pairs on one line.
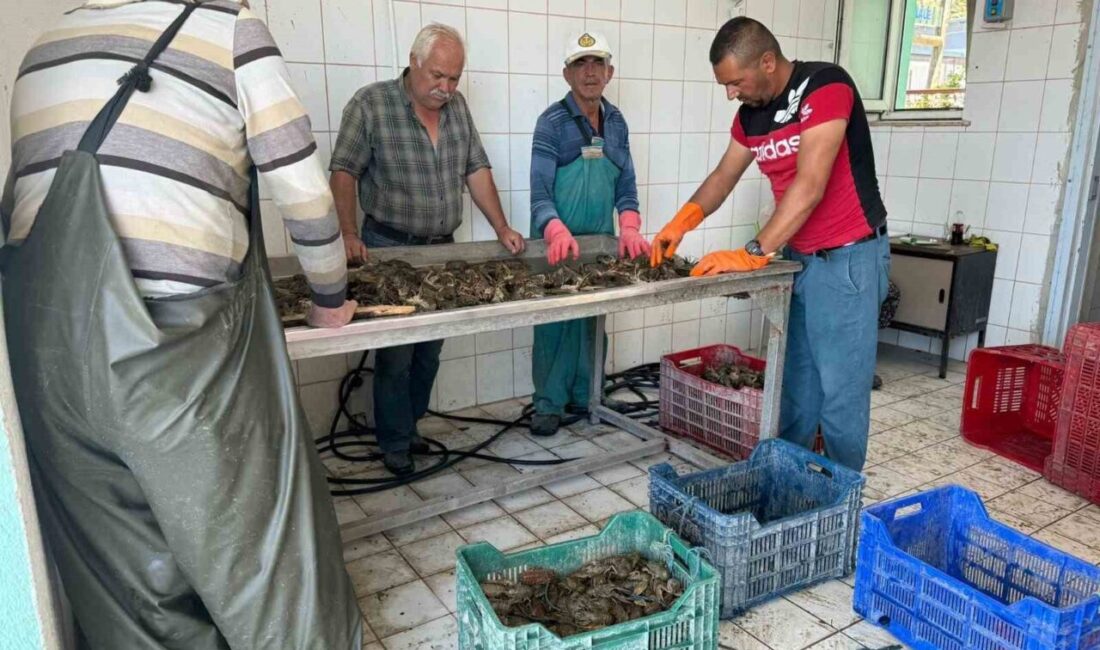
[[405, 577]]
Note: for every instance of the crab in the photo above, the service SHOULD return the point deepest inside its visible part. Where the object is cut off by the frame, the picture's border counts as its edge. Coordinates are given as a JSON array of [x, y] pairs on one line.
[[537, 576]]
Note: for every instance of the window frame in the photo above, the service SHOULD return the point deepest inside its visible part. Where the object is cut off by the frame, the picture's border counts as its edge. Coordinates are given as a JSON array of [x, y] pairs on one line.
[[883, 107]]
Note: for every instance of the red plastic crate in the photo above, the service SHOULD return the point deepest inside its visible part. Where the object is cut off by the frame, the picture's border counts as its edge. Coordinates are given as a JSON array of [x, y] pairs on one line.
[[721, 418], [1075, 463], [1010, 406]]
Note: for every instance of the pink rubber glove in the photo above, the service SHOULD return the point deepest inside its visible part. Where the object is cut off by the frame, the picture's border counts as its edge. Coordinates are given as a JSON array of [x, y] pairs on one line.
[[631, 242], [331, 316], [559, 242]]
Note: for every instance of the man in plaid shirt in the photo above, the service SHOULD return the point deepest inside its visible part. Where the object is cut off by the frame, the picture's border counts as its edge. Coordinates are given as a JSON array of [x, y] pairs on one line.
[[407, 147]]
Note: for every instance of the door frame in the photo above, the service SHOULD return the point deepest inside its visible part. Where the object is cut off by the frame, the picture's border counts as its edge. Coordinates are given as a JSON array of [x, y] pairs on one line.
[[1069, 275]]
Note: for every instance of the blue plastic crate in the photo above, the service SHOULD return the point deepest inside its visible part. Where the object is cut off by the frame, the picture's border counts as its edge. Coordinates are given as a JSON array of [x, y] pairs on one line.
[[938, 573], [783, 519]]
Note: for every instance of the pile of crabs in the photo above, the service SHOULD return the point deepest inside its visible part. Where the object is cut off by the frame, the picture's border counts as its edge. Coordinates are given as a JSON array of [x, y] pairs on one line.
[[461, 284], [600, 594], [734, 375]]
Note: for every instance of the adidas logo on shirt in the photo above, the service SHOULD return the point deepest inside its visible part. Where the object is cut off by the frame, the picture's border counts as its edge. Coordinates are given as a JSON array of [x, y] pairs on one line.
[[772, 150], [794, 98]]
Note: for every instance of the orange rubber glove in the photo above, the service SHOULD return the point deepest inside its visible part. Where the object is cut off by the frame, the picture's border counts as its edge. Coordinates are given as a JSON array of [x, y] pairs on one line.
[[559, 242], [631, 242], [666, 241], [739, 260]]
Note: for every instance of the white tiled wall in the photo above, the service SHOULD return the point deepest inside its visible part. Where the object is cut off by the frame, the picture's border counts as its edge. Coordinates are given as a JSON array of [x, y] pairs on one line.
[[679, 122], [1004, 173]]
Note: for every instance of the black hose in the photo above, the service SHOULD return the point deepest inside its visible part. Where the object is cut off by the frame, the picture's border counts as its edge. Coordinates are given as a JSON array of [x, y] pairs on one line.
[[632, 379]]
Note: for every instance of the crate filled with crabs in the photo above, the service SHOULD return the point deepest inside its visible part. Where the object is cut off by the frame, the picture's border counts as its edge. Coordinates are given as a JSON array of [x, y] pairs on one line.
[[635, 584]]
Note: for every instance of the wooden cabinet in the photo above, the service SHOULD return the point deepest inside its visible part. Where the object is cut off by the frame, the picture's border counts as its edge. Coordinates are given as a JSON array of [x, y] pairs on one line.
[[945, 290]]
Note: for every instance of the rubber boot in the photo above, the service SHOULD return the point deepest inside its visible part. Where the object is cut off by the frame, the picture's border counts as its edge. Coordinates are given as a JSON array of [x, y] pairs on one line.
[[400, 463], [417, 444], [545, 424]]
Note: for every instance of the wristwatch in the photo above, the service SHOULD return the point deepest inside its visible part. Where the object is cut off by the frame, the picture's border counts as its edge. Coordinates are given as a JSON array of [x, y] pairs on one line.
[[753, 248]]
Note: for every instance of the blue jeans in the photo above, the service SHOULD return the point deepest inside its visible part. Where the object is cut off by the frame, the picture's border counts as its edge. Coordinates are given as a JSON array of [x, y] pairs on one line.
[[403, 379], [832, 341]]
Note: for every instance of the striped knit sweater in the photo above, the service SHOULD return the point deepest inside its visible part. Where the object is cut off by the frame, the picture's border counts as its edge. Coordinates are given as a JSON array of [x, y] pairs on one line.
[[176, 166]]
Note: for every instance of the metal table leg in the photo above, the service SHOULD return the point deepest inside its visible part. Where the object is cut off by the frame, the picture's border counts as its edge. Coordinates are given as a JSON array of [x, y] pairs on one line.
[[595, 388], [775, 303]]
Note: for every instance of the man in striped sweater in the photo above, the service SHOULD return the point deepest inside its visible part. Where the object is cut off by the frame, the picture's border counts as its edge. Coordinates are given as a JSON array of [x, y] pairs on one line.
[[162, 539], [176, 167]]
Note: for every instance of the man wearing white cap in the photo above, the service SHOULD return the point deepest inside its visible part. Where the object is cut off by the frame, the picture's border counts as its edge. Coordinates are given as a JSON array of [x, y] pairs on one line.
[[581, 174]]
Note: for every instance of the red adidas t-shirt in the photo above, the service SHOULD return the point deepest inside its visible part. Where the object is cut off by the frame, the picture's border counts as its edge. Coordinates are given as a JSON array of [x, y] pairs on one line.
[[852, 206]]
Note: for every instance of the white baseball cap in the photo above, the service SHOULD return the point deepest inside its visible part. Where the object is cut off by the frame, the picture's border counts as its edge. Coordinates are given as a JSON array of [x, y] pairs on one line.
[[587, 44]]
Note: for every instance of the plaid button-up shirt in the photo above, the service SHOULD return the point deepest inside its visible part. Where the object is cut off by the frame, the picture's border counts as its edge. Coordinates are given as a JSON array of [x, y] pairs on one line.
[[405, 182]]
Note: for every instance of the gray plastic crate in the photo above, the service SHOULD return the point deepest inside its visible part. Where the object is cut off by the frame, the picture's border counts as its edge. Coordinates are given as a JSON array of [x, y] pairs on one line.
[[779, 521]]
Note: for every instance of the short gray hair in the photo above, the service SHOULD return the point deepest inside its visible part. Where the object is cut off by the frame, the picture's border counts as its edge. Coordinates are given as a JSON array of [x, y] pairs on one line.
[[429, 36]]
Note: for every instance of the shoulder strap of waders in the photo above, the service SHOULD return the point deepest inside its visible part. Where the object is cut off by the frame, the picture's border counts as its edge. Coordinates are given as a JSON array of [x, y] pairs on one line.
[[7, 206], [580, 121], [136, 79]]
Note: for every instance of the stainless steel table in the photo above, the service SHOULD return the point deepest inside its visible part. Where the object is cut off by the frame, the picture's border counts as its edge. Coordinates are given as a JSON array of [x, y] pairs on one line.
[[770, 287]]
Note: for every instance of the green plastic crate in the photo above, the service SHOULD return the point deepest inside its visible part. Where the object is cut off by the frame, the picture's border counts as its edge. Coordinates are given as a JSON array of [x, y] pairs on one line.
[[691, 623]]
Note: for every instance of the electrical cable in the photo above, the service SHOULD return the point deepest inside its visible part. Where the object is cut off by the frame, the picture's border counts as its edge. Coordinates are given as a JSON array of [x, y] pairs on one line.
[[359, 435]]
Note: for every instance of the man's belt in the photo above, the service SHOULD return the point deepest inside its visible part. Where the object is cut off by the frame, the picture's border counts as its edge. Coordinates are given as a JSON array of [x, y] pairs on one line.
[[879, 232], [379, 228]]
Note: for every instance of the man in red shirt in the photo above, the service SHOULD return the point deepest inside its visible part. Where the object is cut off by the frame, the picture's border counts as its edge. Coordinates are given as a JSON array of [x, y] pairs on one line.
[[804, 125]]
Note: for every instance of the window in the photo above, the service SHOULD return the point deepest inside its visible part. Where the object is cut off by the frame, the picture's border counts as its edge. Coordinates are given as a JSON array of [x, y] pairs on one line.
[[908, 57]]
